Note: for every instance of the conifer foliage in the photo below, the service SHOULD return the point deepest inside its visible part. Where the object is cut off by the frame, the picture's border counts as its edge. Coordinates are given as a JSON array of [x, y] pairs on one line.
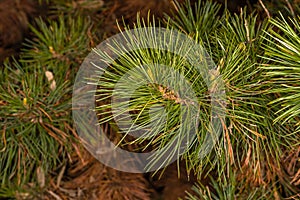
[[257, 154]]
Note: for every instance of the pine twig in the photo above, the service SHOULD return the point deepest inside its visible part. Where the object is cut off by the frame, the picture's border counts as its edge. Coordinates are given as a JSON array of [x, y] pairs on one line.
[[265, 9], [290, 7]]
